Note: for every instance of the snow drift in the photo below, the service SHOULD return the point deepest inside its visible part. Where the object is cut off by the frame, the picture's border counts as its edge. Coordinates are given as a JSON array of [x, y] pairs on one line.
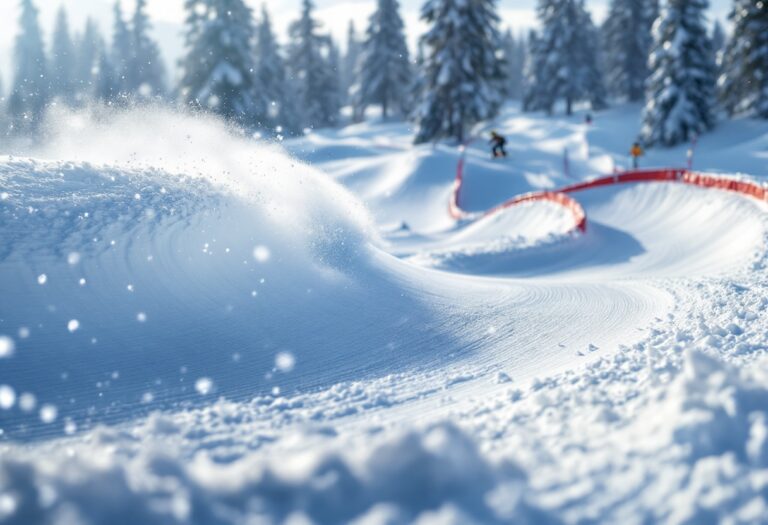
[[162, 261], [263, 360]]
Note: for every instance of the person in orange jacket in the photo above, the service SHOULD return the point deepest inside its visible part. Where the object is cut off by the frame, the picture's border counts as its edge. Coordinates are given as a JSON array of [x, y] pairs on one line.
[[636, 152]]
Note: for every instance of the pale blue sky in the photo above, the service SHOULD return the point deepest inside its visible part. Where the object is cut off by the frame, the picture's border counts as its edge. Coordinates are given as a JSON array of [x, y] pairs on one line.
[[335, 14]]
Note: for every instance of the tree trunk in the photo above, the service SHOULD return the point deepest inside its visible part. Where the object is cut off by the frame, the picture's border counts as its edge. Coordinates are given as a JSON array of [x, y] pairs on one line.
[[384, 108]]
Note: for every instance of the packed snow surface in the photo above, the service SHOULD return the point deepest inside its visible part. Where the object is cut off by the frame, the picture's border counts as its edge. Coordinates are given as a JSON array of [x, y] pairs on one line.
[[201, 328]]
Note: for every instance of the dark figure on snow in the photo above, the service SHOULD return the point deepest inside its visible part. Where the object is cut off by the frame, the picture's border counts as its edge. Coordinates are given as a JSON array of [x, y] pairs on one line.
[[497, 145], [588, 119], [636, 152]]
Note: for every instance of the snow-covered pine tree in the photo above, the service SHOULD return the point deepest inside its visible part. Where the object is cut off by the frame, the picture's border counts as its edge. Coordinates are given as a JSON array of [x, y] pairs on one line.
[[514, 53], [219, 68], [276, 92], [121, 53], [88, 49], [743, 83], [310, 71], [680, 89], [627, 37], [463, 73], [350, 62], [564, 59], [385, 71], [718, 38], [589, 57], [145, 73], [106, 84], [532, 98], [30, 91], [62, 60], [331, 89]]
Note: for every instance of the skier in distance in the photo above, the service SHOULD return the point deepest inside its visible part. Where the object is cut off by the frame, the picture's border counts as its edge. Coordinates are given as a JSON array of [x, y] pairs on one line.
[[636, 151], [497, 142]]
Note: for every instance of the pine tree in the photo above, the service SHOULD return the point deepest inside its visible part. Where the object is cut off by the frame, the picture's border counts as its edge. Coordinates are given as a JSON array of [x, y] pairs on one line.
[[121, 53], [564, 58], [276, 92], [331, 90], [514, 53], [627, 37], [718, 38], [145, 73], [591, 83], [219, 67], [680, 89], [385, 70], [532, 73], [62, 62], [89, 46], [350, 62], [309, 69], [463, 75], [30, 92], [106, 81], [743, 84]]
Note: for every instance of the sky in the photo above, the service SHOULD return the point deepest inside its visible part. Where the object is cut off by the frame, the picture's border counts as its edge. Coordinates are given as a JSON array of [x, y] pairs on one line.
[[168, 16]]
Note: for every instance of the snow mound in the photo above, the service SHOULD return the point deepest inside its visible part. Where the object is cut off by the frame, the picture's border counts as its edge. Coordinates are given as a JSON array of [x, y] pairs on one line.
[[495, 243], [410, 477], [182, 270]]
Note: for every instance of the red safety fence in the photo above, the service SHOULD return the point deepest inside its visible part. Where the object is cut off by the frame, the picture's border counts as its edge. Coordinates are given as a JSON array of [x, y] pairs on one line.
[[749, 188], [580, 217], [454, 207], [561, 197]]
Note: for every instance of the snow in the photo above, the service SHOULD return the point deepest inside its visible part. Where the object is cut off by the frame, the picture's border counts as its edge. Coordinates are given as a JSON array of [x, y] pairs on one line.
[[7, 347], [382, 363]]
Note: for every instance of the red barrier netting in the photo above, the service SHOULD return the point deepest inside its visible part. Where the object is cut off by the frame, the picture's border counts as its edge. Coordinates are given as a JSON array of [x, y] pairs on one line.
[[751, 189]]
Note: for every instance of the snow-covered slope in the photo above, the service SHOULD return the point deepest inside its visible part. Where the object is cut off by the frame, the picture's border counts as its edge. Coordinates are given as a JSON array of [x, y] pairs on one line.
[[306, 362]]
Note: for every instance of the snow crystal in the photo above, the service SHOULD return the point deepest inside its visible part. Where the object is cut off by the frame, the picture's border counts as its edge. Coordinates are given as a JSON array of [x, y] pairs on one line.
[[24, 332], [82, 282], [70, 427], [204, 386], [145, 90], [73, 258], [4, 196], [276, 391], [7, 397], [8, 505], [147, 397], [141, 317], [42, 279], [73, 325], [261, 254], [27, 402], [7, 346], [285, 361], [129, 288], [48, 413]]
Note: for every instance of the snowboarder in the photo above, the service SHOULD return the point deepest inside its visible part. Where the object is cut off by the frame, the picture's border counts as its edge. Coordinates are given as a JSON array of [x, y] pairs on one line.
[[588, 119], [498, 142], [636, 152]]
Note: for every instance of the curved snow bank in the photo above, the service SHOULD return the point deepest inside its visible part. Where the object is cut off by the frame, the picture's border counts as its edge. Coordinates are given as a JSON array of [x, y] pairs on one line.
[[225, 269], [414, 477], [485, 245], [559, 198]]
